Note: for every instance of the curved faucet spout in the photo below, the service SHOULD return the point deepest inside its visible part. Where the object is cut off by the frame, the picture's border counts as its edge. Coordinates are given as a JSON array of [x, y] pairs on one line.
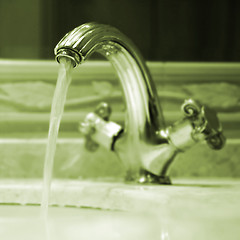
[[140, 94], [144, 117]]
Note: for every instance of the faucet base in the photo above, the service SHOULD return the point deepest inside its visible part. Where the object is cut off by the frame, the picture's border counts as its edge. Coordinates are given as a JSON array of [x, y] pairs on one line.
[[147, 177]]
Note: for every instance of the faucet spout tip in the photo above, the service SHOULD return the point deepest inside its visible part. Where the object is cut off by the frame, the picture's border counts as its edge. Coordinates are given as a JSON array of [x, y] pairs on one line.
[[68, 53]]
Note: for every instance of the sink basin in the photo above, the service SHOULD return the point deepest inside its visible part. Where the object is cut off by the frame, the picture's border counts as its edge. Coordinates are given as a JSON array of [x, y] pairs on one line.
[[24, 222], [189, 209]]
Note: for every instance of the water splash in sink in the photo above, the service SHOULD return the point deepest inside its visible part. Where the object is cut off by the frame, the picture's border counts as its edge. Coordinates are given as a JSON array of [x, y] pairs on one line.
[[59, 99]]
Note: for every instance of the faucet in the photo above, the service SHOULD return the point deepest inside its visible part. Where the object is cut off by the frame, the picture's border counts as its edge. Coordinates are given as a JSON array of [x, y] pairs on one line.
[[145, 145]]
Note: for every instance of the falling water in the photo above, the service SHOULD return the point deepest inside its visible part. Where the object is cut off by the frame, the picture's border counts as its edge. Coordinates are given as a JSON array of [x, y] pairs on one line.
[[59, 98]]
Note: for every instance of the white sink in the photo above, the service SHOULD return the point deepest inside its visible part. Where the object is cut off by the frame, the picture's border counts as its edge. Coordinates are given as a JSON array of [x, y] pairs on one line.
[[24, 222], [189, 209]]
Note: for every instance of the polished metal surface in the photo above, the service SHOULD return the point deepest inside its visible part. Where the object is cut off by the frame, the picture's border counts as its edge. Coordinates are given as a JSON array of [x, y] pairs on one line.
[[97, 128], [145, 147]]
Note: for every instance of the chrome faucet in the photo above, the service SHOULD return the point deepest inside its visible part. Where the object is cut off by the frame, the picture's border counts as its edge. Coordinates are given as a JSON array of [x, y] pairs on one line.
[[145, 146]]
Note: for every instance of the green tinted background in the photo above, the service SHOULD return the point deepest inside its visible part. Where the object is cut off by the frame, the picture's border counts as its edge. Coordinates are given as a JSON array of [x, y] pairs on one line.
[[163, 30]]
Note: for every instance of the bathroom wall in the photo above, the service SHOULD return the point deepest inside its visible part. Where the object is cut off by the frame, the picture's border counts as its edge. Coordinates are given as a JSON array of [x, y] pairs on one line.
[[20, 29], [163, 30]]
